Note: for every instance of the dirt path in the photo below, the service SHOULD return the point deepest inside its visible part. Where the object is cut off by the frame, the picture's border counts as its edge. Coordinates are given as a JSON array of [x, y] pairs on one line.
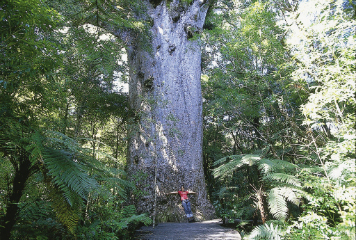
[[199, 230]]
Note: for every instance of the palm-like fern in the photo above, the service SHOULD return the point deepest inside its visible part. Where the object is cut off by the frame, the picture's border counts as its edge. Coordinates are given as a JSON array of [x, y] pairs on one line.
[[66, 206], [283, 178], [70, 172], [277, 203], [273, 165], [227, 165], [267, 232], [277, 174]]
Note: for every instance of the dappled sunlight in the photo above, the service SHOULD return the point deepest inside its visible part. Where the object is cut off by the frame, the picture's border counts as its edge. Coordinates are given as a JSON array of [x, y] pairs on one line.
[[211, 229]]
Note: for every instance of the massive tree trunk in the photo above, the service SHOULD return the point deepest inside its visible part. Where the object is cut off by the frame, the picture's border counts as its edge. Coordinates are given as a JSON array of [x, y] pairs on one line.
[[165, 142]]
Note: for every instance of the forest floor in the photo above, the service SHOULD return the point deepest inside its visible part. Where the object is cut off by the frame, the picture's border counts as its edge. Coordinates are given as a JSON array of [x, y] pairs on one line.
[[212, 229]]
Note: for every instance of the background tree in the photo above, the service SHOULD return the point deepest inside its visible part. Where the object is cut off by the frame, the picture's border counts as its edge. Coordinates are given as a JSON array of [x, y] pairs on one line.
[[320, 48], [27, 54], [53, 184], [249, 94]]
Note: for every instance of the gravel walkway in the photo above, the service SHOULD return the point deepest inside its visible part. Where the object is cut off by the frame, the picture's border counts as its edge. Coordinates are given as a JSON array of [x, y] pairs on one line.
[[198, 230]]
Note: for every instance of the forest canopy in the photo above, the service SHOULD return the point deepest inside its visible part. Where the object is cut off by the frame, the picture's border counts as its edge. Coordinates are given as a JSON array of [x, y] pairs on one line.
[[278, 115]]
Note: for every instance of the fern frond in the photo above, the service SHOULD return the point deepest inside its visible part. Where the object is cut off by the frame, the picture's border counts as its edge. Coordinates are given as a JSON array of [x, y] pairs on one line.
[[68, 215], [97, 167], [277, 204], [250, 159], [237, 161], [128, 215], [69, 164], [337, 170], [134, 219], [278, 197], [271, 165], [290, 194], [267, 232], [68, 173], [128, 211], [313, 169], [283, 177], [35, 148], [228, 167], [223, 191], [32, 211], [304, 194], [60, 141], [118, 184], [225, 159]]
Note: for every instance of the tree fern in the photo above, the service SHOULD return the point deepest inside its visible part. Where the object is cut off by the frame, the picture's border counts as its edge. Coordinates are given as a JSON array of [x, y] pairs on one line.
[[129, 215], [278, 198], [59, 140], [345, 168], [71, 173], [35, 148], [67, 214], [32, 211], [228, 165], [223, 191], [291, 194], [272, 165], [232, 163], [134, 219], [283, 178], [267, 232], [37, 218], [66, 172], [273, 171], [277, 204]]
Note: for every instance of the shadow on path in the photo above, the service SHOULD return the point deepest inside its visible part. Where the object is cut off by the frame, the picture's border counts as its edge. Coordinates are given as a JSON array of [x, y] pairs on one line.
[[199, 230]]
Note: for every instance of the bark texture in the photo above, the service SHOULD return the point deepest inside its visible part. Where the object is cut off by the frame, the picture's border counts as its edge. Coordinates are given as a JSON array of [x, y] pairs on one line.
[[165, 143]]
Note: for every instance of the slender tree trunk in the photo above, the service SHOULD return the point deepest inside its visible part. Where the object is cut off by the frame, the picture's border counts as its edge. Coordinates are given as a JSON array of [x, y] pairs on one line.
[[165, 93], [65, 120], [78, 126], [117, 138], [22, 173], [236, 144], [256, 124]]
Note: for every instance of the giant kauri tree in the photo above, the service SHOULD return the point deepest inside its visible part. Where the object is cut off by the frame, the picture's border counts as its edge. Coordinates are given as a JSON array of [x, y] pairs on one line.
[[165, 137], [165, 94]]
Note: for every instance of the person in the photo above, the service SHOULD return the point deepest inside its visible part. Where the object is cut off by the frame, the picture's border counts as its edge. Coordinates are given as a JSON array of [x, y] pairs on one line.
[[185, 202]]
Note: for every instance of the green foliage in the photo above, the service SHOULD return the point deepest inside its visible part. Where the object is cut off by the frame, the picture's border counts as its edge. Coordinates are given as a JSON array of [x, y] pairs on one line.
[[282, 110], [266, 232], [36, 218], [277, 203], [249, 94], [281, 188], [310, 181], [312, 225], [330, 107], [112, 223], [70, 173], [231, 163], [66, 207], [104, 13], [62, 122]]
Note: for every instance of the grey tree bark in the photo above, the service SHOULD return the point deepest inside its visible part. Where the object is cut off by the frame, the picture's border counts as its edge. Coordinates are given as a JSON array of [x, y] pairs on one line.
[[165, 142]]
